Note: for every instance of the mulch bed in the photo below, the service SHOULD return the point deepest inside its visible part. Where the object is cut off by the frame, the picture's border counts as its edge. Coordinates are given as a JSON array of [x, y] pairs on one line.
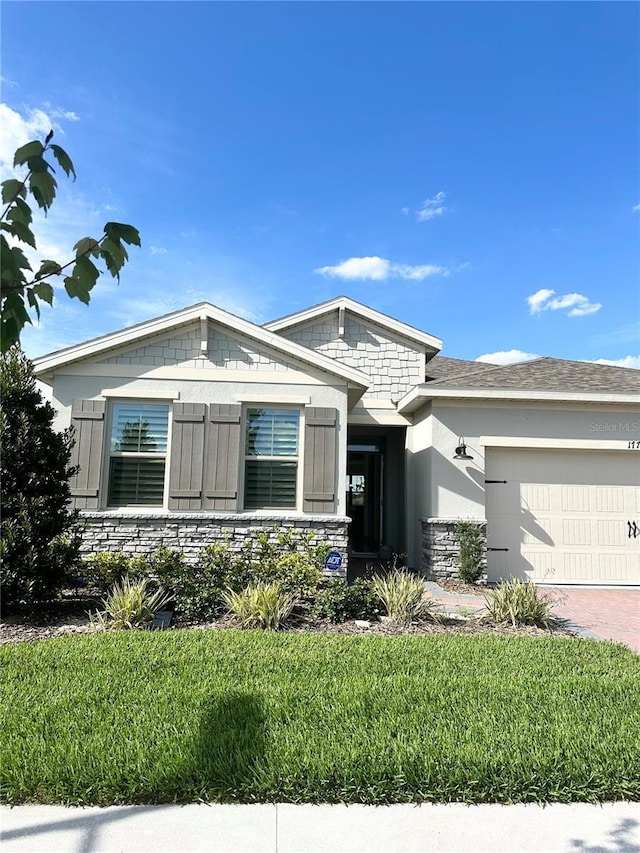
[[70, 617]]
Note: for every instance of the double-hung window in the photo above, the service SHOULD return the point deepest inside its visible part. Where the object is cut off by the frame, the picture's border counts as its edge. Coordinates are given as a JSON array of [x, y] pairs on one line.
[[272, 441], [138, 452]]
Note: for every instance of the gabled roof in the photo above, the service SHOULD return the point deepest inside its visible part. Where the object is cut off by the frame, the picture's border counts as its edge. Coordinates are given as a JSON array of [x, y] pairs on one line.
[[46, 364], [430, 342], [539, 379]]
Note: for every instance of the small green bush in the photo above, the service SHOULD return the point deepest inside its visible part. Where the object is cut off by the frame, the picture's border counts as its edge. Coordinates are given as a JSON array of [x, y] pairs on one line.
[[293, 571], [339, 601], [520, 603], [106, 568], [402, 596], [471, 551], [260, 605], [130, 604]]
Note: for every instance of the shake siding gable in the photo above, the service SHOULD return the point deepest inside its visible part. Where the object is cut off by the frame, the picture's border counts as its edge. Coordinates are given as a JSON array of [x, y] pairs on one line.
[[87, 419]]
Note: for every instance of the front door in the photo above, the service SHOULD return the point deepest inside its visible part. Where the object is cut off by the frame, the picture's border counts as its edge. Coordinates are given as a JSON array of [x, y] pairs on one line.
[[365, 463]]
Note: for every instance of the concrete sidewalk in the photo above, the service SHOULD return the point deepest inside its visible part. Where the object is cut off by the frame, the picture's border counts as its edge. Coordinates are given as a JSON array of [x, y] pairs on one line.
[[452, 828]]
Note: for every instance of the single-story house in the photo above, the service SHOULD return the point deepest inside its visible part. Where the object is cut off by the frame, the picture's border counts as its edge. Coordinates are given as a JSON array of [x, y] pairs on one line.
[[341, 420]]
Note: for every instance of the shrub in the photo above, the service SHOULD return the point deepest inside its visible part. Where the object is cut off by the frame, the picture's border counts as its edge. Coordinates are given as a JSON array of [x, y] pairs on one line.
[[130, 604], [339, 601], [402, 596], [260, 605], [39, 537], [520, 603], [294, 572], [471, 550], [106, 568]]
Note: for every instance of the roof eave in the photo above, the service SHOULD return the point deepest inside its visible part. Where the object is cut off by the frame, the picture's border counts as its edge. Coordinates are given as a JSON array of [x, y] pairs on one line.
[[420, 395], [429, 341], [44, 366]]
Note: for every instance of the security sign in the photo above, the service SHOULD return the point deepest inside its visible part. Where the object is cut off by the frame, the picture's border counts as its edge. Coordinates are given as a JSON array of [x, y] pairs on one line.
[[333, 561]]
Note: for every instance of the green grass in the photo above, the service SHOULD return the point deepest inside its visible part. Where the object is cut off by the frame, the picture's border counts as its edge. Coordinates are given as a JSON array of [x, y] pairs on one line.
[[146, 717]]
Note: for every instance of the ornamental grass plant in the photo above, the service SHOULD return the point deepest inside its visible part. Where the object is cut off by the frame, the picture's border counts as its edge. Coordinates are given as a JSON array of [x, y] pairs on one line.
[[260, 605], [130, 604], [403, 597], [517, 602]]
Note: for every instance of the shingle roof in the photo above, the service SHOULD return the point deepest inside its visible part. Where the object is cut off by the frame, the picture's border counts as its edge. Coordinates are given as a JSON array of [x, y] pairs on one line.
[[541, 374]]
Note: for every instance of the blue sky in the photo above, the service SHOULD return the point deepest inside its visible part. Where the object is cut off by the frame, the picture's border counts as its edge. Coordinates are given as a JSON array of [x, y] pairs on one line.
[[469, 168]]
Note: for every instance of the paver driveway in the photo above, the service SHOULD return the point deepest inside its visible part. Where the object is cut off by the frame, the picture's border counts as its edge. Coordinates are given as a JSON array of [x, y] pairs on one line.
[[611, 613]]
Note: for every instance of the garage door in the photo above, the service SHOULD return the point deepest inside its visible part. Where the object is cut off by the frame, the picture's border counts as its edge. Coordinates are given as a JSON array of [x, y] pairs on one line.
[[562, 516]]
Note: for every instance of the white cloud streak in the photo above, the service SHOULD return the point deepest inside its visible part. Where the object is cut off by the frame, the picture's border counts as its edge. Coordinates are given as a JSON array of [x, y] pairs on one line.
[[575, 304], [431, 208], [509, 356], [380, 269], [626, 361], [636, 208]]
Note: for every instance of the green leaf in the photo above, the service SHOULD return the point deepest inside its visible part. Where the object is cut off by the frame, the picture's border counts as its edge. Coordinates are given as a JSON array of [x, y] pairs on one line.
[[44, 291], [87, 246], [20, 212], [11, 189], [31, 149], [38, 164], [119, 231], [85, 271], [9, 333], [48, 268], [13, 262], [43, 186], [64, 160], [13, 306], [33, 301], [21, 231], [76, 289], [114, 255]]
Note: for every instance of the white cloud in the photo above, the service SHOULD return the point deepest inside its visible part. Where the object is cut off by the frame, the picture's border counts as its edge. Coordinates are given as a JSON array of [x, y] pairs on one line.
[[431, 207], [578, 305], [158, 250], [537, 299], [510, 356], [636, 207], [625, 361], [380, 269]]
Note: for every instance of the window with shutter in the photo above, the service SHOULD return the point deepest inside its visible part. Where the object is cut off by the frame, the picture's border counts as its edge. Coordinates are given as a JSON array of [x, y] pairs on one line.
[[272, 440], [137, 454]]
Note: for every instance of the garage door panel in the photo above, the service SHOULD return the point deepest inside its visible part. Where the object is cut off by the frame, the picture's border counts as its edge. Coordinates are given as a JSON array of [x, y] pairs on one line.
[[576, 531], [576, 499], [536, 497], [564, 515], [609, 499]]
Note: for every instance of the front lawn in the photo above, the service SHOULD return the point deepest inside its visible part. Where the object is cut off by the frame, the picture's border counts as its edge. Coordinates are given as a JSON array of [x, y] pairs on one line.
[[147, 717]]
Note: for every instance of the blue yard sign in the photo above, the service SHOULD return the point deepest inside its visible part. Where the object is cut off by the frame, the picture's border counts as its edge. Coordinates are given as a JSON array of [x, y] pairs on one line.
[[333, 561]]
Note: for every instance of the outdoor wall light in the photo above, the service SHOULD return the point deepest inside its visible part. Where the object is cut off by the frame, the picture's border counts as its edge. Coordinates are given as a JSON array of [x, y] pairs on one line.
[[461, 450]]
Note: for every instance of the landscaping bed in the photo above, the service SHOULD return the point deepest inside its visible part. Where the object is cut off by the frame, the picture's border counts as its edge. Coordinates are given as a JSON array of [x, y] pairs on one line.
[[252, 716]]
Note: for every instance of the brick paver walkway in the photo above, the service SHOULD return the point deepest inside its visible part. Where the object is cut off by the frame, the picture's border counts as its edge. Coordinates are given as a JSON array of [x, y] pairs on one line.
[[611, 613]]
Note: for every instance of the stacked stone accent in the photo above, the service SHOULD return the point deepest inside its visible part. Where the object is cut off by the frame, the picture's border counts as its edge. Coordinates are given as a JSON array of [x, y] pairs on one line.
[[440, 549], [394, 364], [191, 532]]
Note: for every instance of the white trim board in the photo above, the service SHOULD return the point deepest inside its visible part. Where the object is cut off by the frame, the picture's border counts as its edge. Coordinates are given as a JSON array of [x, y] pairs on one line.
[[556, 443]]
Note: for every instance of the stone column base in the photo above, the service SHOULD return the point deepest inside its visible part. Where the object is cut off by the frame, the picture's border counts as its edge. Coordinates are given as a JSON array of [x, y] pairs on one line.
[[440, 549]]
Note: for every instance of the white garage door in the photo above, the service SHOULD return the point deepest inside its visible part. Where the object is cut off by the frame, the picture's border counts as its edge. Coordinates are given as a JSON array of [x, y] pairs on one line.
[[563, 516]]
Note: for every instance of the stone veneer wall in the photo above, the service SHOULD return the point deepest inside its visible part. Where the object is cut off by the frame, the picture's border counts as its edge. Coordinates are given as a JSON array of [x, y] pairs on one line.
[[440, 549], [190, 532]]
